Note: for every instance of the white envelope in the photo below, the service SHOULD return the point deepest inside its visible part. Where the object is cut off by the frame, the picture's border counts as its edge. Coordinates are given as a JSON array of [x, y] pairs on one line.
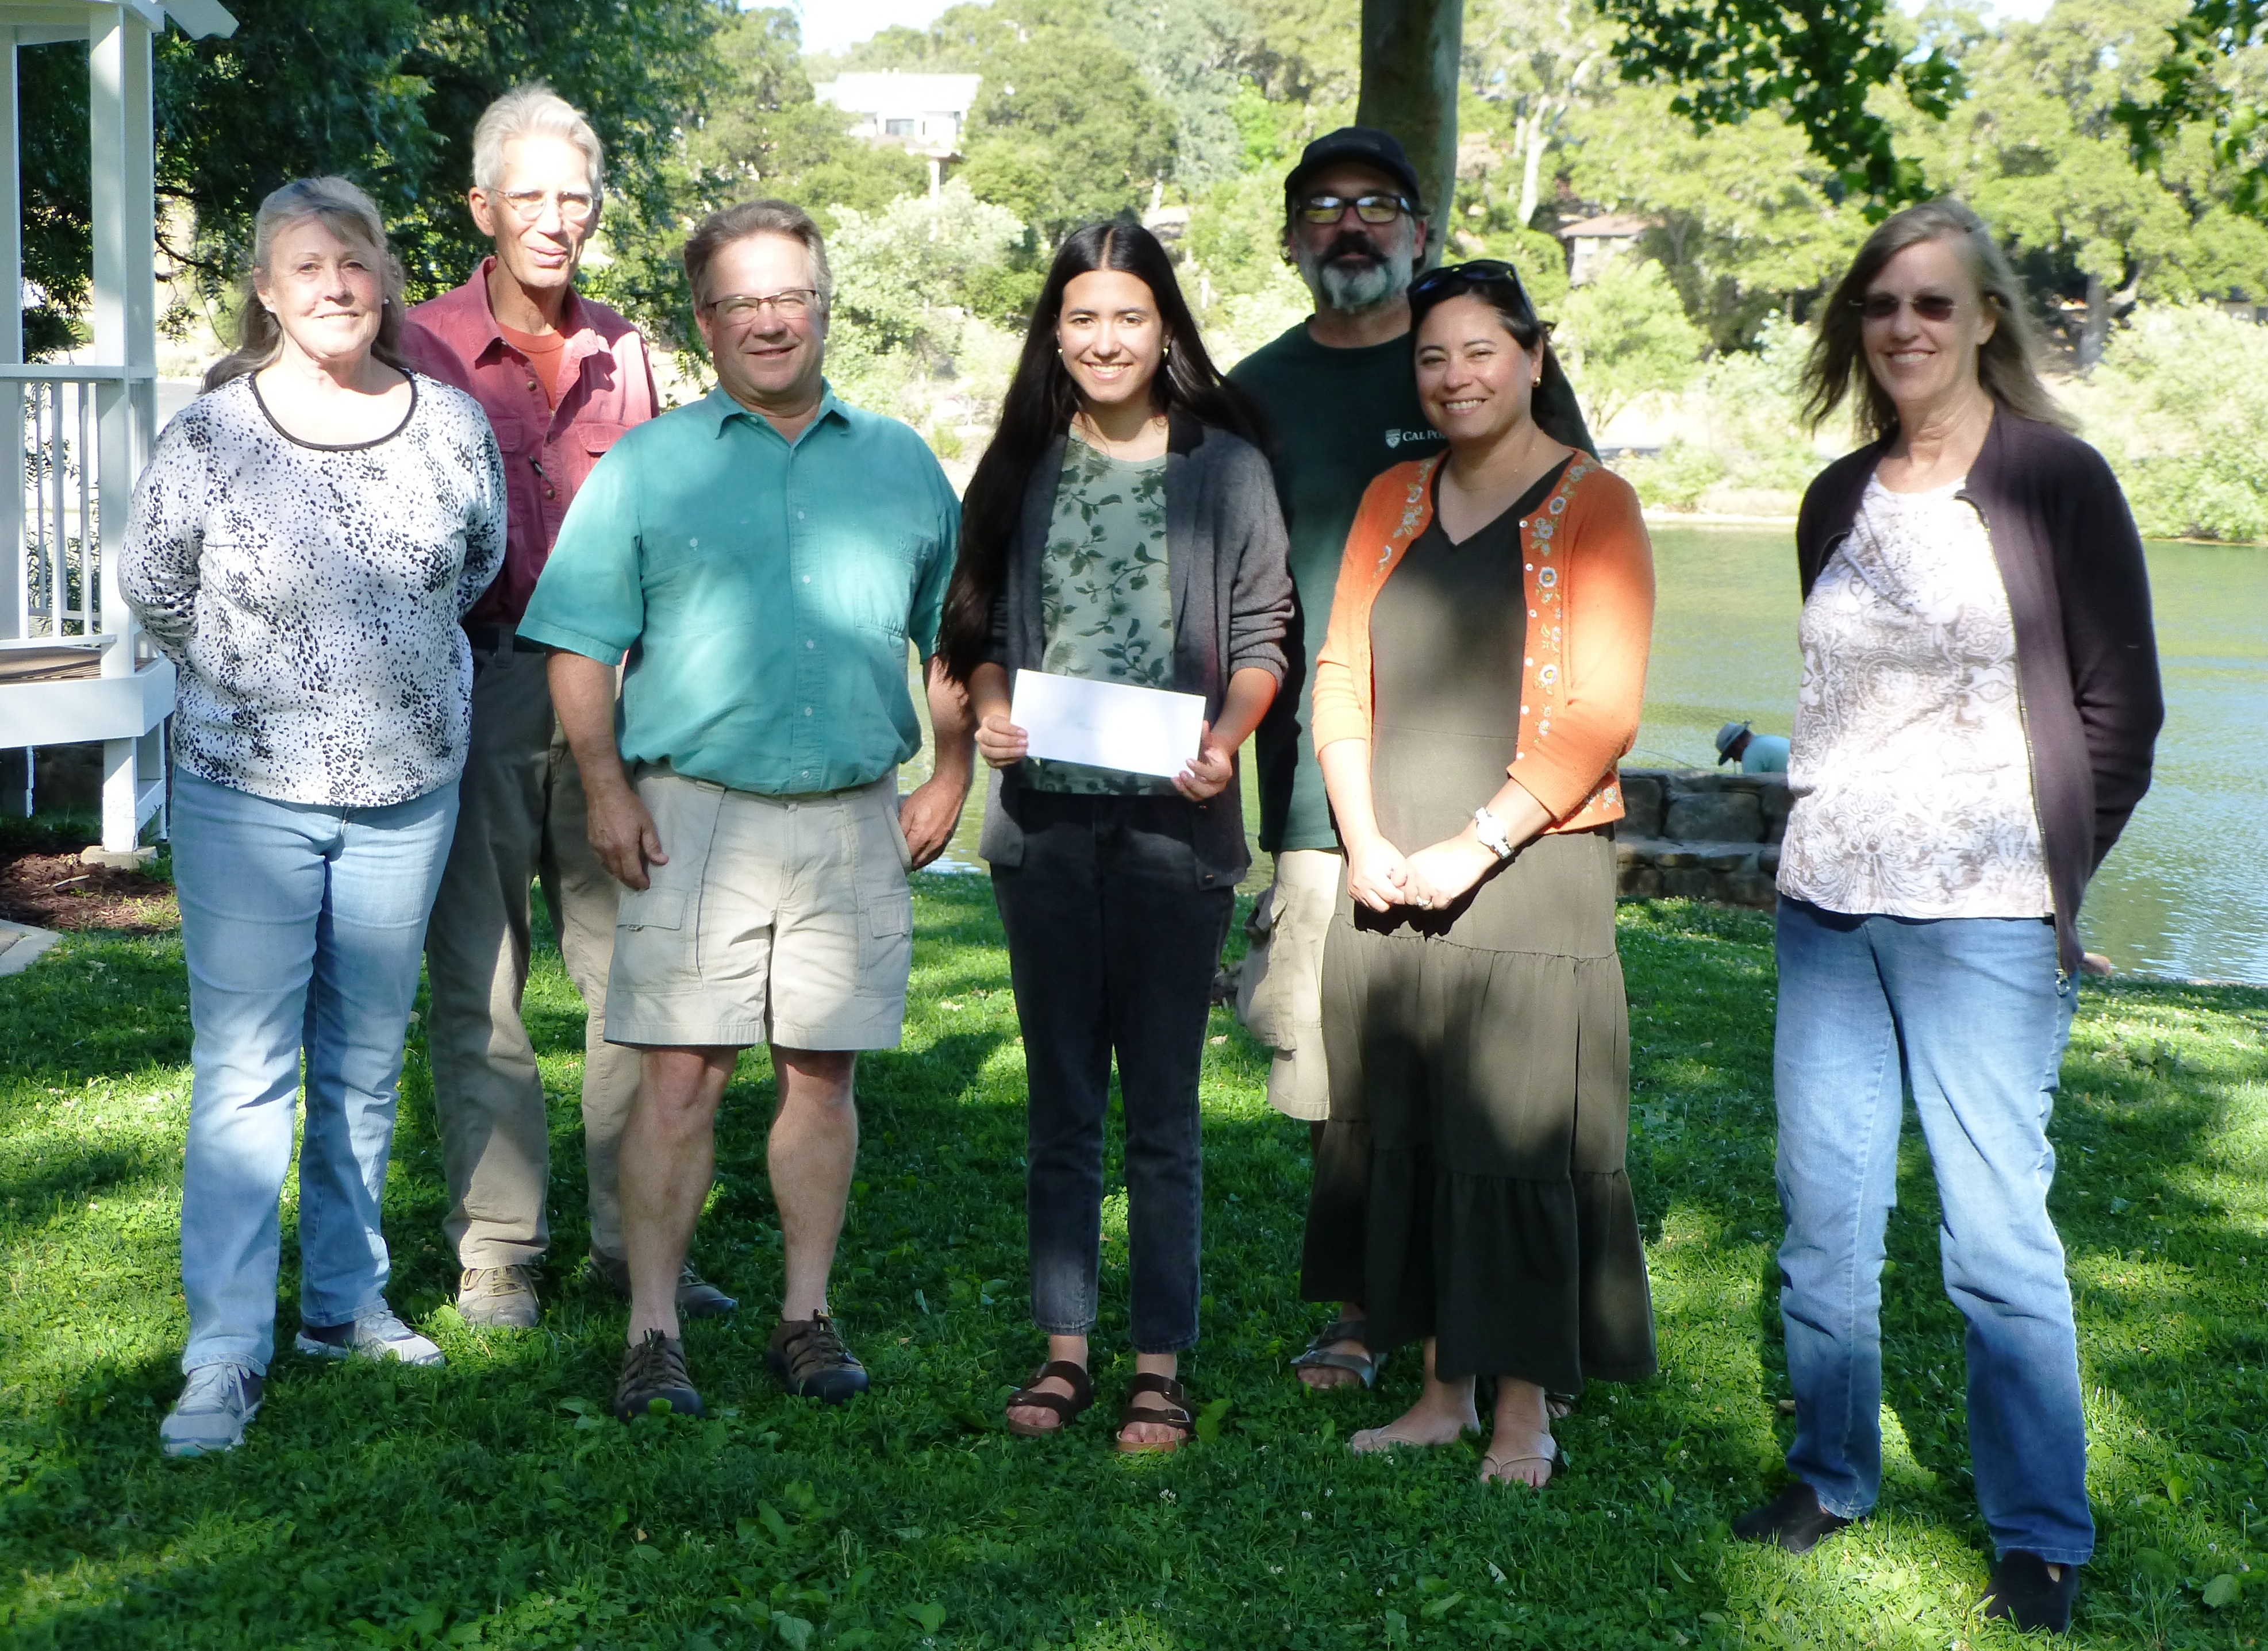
[[1108, 724]]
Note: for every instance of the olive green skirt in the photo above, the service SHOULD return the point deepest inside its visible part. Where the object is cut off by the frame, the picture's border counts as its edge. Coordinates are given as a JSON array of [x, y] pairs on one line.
[[1470, 1183]]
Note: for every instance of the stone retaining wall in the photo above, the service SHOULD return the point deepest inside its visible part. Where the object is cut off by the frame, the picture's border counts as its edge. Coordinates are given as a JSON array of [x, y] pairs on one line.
[[1703, 835]]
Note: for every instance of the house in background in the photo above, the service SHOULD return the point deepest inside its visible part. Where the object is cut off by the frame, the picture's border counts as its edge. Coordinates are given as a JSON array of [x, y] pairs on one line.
[[923, 114], [1593, 242]]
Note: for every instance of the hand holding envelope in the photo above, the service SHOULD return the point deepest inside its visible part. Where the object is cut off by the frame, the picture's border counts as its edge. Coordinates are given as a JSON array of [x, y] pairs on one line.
[[1107, 725]]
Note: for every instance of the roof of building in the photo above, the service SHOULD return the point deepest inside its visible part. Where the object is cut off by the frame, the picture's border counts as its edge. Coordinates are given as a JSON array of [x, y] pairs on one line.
[[1607, 226], [892, 90]]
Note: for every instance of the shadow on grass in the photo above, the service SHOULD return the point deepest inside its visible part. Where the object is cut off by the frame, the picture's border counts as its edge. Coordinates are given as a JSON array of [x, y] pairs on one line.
[[494, 1503]]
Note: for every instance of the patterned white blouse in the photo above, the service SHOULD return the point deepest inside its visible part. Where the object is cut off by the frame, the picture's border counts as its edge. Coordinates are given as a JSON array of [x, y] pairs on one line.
[[1909, 768], [311, 595]]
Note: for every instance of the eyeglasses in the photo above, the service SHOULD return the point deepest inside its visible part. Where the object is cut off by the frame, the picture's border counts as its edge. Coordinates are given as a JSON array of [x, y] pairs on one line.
[[1371, 209], [575, 205], [1479, 272], [1930, 306], [790, 304]]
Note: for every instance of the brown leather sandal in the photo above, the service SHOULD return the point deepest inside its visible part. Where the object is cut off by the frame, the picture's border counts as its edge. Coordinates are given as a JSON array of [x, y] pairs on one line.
[[1174, 1413], [1068, 1408]]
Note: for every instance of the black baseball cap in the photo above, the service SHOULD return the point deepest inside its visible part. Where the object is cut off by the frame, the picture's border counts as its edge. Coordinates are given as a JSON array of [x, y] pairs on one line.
[[1366, 144]]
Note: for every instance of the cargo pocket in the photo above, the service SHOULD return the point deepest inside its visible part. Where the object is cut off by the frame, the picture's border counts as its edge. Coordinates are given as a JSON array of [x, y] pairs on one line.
[[651, 908], [886, 943]]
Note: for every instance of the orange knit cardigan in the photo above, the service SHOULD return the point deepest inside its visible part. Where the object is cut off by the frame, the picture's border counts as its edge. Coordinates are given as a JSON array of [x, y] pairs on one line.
[[1589, 577]]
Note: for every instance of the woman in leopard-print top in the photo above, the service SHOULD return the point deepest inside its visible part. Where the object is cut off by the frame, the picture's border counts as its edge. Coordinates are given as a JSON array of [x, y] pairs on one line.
[[303, 545]]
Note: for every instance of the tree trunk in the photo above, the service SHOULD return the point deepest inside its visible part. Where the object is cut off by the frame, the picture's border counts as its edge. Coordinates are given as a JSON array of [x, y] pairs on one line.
[[2097, 326], [1410, 56]]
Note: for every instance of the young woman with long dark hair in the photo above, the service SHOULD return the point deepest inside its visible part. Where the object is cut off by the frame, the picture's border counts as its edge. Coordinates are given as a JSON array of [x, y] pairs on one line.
[[1123, 527]]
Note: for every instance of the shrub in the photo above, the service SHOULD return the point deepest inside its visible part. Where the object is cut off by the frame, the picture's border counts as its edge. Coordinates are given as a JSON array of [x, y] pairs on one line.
[[2179, 406]]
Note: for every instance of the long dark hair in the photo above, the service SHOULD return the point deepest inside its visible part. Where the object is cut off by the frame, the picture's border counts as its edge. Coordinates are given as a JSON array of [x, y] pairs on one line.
[[2007, 362], [1039, 408], [1552, 403]]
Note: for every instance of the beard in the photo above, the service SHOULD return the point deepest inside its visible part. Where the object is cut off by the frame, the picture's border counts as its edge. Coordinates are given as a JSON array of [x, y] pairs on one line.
[[1355, 275]]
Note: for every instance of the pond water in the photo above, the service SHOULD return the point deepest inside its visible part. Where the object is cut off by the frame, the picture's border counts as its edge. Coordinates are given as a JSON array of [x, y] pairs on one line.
[[2184, 894]]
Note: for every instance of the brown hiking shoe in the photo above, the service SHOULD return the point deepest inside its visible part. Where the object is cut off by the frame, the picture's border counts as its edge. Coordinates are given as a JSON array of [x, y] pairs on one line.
[[696, 1297], [810, 1361], [654, 1370], [498, 1298]]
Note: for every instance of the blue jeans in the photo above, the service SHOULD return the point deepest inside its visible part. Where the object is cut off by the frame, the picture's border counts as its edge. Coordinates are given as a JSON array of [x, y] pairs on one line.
[[1969, 1016], [304, 927]]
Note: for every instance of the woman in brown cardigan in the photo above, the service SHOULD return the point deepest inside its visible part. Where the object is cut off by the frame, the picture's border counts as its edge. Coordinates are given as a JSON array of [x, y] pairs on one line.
[[1480, 675]]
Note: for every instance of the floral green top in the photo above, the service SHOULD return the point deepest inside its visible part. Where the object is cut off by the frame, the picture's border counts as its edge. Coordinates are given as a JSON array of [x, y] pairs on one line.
[[1105, 604]]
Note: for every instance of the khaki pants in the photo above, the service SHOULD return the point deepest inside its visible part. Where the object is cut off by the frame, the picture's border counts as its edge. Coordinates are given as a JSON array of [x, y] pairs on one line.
[[1280, 996], [521, 816]]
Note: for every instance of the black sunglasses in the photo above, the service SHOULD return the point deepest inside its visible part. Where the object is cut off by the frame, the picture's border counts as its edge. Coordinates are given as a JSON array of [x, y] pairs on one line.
[[1479, 272]]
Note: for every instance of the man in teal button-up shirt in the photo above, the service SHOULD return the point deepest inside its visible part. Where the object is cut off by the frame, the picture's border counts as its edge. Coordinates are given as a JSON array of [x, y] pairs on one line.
[[761, 558]]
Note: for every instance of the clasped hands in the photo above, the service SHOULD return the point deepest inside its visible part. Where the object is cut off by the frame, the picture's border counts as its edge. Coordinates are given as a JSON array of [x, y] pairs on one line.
[[1382, 876], [1003, 745]]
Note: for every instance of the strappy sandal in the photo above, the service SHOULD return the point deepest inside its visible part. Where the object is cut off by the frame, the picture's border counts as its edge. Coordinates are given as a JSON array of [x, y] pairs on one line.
[[1068, 1407], [1492, 1466], [1321, 1355], [1176, 1413]]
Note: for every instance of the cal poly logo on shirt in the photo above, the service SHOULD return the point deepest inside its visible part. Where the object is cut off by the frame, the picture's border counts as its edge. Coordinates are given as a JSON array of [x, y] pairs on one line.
[[1398, 438]]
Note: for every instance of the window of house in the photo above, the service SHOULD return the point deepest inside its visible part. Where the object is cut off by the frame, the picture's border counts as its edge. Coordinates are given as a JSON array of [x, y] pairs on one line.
[[898, 129]]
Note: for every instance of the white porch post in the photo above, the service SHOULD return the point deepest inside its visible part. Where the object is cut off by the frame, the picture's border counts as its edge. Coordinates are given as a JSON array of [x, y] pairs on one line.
[[16, 798], [124, 201]]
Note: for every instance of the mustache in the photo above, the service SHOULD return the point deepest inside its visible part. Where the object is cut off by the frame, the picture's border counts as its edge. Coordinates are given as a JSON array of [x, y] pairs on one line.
[[1351, 244]]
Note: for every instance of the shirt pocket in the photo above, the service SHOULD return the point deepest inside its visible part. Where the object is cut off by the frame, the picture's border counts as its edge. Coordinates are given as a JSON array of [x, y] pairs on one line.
[[583, 447]]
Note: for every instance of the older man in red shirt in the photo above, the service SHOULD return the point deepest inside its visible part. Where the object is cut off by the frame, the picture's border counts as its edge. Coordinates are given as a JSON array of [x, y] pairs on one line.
[[560, 378]]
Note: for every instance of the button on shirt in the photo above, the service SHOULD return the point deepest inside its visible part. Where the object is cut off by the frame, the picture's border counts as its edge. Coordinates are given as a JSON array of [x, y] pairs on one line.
[[763, 590]]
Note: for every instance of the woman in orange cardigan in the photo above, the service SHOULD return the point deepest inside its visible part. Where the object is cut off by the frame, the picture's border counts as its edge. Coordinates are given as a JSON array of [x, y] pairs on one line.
[[1480, 675]]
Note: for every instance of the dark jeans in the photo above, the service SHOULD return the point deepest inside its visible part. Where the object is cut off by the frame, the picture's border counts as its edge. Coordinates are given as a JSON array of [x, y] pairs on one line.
[[1111, 946]]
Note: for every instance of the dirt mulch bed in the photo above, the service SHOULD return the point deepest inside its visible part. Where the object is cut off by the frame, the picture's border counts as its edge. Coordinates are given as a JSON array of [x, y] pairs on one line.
[[57, 892]]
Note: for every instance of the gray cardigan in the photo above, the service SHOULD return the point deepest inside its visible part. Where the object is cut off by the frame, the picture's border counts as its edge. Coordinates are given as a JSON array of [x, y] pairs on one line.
[[1231, 596]]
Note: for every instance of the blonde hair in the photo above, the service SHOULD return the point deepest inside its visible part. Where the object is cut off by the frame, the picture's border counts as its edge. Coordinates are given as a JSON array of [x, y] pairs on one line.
[[350, 214], [534, 110], [2007, 362]]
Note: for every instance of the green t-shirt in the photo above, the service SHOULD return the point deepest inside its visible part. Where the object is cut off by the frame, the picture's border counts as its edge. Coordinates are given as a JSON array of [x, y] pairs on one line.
[[1340, 417], [1106, 602]]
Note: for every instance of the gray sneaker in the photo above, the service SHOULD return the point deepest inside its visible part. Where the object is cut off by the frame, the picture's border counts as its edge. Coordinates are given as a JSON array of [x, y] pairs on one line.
[[498, 1298], [696, 1297], [376, 1335], [212, 1412]]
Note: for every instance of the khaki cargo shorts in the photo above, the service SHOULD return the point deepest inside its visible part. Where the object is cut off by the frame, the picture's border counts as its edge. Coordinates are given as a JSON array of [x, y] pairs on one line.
[[1280, 990], [782, 919]]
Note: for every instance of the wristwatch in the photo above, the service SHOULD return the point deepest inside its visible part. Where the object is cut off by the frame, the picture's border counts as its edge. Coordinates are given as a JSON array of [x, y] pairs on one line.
[[1490, 830]]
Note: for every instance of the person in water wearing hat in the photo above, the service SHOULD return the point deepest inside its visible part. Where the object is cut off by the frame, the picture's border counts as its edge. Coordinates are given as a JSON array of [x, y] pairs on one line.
[[1342, 400], [1757, 753]]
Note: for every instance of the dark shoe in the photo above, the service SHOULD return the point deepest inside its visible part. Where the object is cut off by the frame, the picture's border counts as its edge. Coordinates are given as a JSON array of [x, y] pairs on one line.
[[655, 1370], [812, 1363], [1172, 1409], [1324, 1353], [376, 1335], [1067, 1409], [498, 1298], [1793, 1519], [696, 1297], [2030, 1592]]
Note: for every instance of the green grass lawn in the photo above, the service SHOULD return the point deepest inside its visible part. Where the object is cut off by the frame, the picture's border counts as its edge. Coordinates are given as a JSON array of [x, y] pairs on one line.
[[494, 1503]]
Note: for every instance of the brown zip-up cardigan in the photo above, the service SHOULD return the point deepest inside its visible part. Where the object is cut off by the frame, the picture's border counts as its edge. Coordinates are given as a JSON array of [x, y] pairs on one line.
[[2086, 661]]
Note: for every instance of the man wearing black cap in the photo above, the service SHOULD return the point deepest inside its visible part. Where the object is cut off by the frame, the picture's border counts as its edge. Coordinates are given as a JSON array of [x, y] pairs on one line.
[[1341, 393]]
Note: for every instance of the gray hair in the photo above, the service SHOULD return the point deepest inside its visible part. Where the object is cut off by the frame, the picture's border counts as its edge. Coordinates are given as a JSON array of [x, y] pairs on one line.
[[534, 110], [721, 228], [2007, 362], [350, 214]]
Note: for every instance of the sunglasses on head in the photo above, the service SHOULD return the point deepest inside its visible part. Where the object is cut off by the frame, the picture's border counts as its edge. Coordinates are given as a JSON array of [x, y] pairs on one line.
[[1479, 272], [1371, 209], [1930, 306]]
